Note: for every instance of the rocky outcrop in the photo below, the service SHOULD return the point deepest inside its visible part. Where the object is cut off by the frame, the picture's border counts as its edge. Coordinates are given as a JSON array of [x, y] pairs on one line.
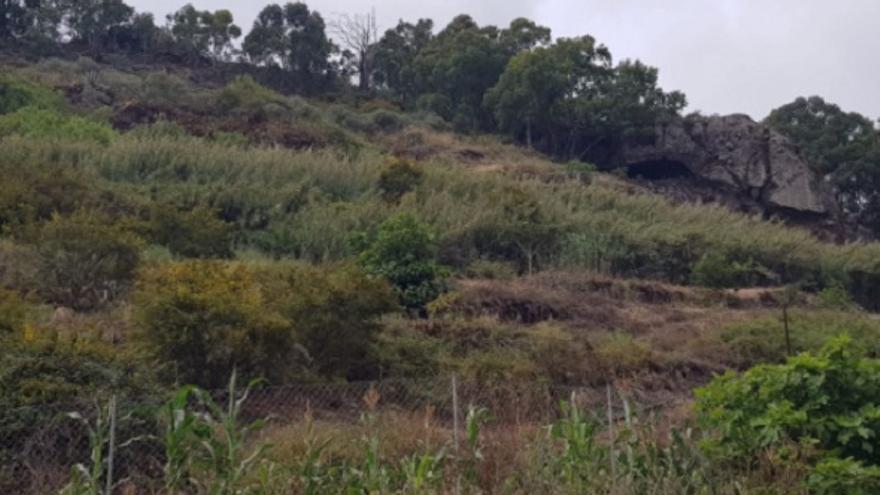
[[743, 161]]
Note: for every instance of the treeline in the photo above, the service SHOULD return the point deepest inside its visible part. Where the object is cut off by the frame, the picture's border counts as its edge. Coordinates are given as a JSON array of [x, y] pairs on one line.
[[842, 146], [566, 97]]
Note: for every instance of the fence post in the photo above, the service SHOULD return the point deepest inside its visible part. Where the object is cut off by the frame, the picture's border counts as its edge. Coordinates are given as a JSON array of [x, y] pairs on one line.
[[611, 430], [455, 428], [455, 412], [111, 449]]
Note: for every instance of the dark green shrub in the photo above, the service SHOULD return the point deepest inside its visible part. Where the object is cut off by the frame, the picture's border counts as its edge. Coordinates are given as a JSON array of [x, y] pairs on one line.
[[16, 93], [41, 368], [198, 233], [830, 400], [31, 195], [763, 340], [835, 297], [387, 121], [244, 96], [436, 103], [844, 476], [334, 310], [49, 124], [719, 270], [84, 260], [524, 232], [402, 251], [13, 311], [205, 319], [399, 177]]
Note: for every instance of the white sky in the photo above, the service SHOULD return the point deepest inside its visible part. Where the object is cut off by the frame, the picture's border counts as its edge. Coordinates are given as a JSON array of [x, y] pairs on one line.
[[728, 56]]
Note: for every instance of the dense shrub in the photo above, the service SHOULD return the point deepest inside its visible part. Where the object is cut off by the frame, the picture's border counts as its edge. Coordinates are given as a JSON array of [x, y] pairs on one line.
[[49, 124], [402, 251], [593, 250], [16, 93], [835, 297], [522, 231], [45, 373], [334, 310], [40, 365], [829, 401], [716, 269], [34, 194], [13, 311], [844, 476], [620, 354], [484, 349], [205, 319], [762, 340], [197, 233], [399, 177], [244, 96], [83, 260]]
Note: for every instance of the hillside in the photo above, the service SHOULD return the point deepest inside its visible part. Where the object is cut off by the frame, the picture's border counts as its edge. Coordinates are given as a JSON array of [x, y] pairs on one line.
[[160, 226]]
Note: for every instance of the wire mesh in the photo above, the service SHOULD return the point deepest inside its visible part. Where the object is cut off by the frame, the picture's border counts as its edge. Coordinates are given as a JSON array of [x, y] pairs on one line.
[[40, 445]]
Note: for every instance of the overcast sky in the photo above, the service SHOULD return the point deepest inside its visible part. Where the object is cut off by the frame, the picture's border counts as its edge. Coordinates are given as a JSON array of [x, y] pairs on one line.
[[745, 56]]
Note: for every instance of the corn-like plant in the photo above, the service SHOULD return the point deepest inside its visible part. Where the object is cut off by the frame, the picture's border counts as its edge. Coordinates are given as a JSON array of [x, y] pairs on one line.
[[581, 458], [423, 474], [223, 454], [182, 428], [315, 477], [88, 479]]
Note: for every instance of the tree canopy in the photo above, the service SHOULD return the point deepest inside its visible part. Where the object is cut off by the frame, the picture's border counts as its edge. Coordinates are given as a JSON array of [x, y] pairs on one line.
[[294, 38], [845, 146]]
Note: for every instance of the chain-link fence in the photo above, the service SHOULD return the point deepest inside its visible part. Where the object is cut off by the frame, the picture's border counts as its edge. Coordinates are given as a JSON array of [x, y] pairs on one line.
[[42, 445]]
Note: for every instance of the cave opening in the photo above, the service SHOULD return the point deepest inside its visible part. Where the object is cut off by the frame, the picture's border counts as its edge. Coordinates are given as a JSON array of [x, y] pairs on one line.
[[658, 170]]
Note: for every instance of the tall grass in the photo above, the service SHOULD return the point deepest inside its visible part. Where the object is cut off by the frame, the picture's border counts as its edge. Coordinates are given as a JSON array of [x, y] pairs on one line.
[[310, 202]]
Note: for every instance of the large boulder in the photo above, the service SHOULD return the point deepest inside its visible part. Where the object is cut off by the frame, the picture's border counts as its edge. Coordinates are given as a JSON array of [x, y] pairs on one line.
[[745, 162]]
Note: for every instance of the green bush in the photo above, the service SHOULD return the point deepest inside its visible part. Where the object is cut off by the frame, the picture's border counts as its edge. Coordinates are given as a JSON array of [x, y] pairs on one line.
[[84, 260], [828, 400], [41, 123], [41, 368], [522, 231], [34, 194], [844, 476], [399, 177], [402, 251], [244, 96], [835, 297], [762, 340], [198, 233], [16, 93], [619, 353], [13, 311], [719, 270], [595, 251], [334, 310], [205, 319]]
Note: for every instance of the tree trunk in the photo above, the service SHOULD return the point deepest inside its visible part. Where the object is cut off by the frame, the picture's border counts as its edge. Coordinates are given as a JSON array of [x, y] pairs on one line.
[[363, 76], [529, 133], [787, 334]]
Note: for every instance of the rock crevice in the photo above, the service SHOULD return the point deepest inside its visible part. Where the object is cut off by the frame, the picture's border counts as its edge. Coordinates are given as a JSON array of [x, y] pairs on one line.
[[747, 162]]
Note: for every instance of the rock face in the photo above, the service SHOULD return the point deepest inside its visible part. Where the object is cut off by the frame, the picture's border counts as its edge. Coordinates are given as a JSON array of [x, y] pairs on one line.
[[743, 163]]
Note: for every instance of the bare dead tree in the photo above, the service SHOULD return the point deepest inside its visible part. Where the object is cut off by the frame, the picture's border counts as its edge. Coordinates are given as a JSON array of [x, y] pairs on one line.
[[358, 34]]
